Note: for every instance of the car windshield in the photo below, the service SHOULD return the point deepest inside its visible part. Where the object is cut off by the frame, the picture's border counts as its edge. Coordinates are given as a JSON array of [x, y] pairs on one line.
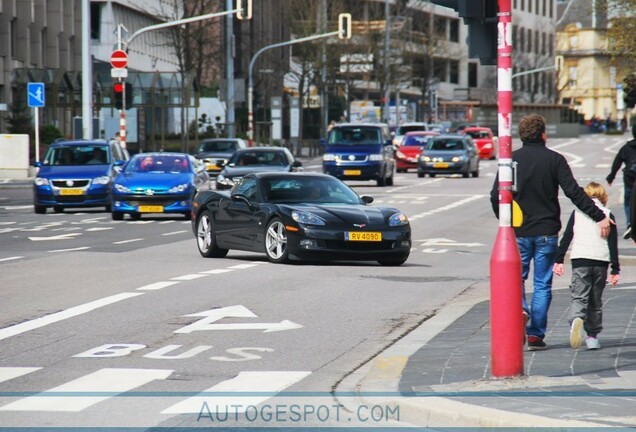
[[478, 134], [312, 190], [78, 155], [157, 164], [268, 158], [446, 144], [355, 135], [218, 146], [403, 130], [417, 140]]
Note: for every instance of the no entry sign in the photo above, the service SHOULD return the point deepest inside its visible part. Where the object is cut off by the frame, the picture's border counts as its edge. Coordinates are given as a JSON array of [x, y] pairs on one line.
[[119, 59]]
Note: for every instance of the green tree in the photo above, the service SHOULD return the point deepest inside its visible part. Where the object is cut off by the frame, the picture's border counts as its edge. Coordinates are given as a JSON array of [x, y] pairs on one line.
[[20, 120], [622, 29]]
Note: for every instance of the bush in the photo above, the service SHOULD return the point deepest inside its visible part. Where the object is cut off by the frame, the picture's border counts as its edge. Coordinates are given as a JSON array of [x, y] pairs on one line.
[[49, 133]]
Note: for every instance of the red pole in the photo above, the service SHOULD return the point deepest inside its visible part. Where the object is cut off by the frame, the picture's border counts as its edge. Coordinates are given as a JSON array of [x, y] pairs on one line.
[[506, 322]]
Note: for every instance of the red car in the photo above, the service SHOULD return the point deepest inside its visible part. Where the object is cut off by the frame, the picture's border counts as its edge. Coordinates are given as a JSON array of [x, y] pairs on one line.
[[409, 151], [484, 140]]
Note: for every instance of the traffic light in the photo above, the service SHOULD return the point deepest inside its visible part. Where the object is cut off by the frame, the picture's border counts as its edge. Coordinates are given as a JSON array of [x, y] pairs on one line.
[[481, 18], [119, 88], [344, 26]]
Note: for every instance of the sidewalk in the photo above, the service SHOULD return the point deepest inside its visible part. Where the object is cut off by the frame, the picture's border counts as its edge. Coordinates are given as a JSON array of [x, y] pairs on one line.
[[439, 375]]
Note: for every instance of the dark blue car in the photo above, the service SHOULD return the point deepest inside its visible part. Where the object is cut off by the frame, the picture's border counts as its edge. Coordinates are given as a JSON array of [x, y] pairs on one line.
[[158, 183], [76, 174]]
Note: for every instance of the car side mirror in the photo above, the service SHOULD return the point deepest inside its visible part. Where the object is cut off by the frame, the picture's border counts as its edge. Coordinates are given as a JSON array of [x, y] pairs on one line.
[[38, 164], [323, 141], [366, 199]]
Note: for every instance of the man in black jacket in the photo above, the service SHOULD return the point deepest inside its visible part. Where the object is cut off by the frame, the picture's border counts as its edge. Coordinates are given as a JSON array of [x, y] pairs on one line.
[[626, 155], [540, 173]]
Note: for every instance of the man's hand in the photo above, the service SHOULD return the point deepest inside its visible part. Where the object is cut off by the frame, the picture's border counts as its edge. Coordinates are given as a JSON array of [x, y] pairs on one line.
[[614, 279], [557, 268], [604, 225]]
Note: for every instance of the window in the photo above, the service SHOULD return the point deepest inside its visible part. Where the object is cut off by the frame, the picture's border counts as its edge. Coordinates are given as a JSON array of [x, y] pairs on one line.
[[544, 8], [439, 69], [440, 27], [14, 37], [472, 75], [529, 40], [522, 39], [529, 5], [572, 76], [96, 9], [515, 34], [543, 43], [523, 4], [453, 66], [551, 45], [454, 30], [247, 187], [536, 42], [551, 9], [515, 82]]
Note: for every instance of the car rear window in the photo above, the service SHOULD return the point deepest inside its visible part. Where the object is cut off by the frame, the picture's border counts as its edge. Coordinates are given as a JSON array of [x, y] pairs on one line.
[[478, 134], [416, 140], [446, 144], [276, 158], [218, 146], [403, 130]]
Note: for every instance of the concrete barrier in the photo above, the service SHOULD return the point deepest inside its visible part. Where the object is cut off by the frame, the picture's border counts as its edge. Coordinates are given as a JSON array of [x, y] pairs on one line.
[[14, 156]]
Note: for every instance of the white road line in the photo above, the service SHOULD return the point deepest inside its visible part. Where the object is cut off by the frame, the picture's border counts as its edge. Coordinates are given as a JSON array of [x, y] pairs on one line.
[[71, 250], [166, 222], [188, 277], [68, 236], [62, 315], [11, 258], [242, 266], [174, 233], [217, 271], [156, 286], [9, 373], [8, 223], [447, 207], [128, 241], [111, 381], [257, 382], [100, 229]]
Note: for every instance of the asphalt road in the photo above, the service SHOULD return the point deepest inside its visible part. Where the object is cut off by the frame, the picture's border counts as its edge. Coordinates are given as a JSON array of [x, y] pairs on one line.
[[126, 317]]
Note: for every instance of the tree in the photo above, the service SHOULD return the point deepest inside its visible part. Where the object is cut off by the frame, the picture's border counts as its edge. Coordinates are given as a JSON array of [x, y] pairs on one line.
[[622, 29], [20, 120]]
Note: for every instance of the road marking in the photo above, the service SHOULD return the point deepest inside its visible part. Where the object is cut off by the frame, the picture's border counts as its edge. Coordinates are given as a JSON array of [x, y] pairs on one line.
[[110, 381], [447, 207], [11, 258], [62, 315], [217, 271], [70, 250], [445, 242], [238, 311], [128, 241], [69, 236], [9, 373], [252, 382], [166, 222], [100, 229], [8, 223], [188, 277], [242, 266], [175, 232], [157, 286]]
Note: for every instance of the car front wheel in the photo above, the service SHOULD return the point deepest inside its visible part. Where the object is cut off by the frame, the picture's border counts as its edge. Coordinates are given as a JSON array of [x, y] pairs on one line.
[[38, 209], [206, 238], [276, 242]]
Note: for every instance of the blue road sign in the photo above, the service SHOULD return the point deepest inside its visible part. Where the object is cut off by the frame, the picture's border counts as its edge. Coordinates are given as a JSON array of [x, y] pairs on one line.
[[35, 95]]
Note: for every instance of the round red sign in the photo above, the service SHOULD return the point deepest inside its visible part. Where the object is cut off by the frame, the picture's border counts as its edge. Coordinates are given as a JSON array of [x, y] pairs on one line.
[[119, 59]]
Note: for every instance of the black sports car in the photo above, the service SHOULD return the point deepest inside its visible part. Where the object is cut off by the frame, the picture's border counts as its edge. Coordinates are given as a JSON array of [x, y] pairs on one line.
[[299, 215]]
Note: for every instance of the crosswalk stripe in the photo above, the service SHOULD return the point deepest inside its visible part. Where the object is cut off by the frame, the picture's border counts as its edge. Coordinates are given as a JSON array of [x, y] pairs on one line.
[[257, 382], [9, 373], [111, 381]]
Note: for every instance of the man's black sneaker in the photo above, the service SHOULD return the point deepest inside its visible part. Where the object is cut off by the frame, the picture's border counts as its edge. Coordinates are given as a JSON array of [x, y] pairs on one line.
[[628, 232], [535, 343]]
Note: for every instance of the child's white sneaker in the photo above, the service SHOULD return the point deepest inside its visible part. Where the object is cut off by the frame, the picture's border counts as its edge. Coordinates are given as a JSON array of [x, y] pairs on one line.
[[592, 343], [576, 333]]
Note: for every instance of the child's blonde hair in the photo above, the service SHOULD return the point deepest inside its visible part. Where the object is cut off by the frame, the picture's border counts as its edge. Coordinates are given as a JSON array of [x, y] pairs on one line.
[[595, 190]]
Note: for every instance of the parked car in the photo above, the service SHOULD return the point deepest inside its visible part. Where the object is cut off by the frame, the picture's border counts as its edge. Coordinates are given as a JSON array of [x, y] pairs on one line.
[[449, 154], [75, 174], [408, 153], [360, 151], [404, 128], [484, 140], [215, 152], [158, 183], [301, 216], [256, 159]]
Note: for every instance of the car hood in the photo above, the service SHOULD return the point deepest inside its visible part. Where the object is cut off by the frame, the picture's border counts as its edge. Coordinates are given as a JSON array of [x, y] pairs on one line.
[[74, 172], [353, 215], [240, 171], [218, 155], [153, 180]]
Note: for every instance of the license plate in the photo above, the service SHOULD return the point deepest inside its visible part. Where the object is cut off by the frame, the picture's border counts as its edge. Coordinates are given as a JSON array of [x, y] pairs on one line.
[[213, 167], [440, 165], [352, 172], [150, 209], [73, 191], [363, 236]]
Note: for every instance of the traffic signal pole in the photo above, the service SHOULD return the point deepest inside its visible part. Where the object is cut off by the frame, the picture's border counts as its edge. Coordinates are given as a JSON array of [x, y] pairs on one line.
[[506, 320]]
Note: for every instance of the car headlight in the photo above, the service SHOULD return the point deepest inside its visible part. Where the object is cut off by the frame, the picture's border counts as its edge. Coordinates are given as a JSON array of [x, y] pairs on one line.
[[400, 155], [306, 218], [425, 158], [121, 188], [224, 180], [398, 219], [375, 157], [179, 188], [41, 181], [459, 158], [329, 157], [103, 180]]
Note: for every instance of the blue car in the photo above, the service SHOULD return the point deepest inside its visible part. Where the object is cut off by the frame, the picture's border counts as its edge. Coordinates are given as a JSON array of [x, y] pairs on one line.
[[76, 173], [158, 183]]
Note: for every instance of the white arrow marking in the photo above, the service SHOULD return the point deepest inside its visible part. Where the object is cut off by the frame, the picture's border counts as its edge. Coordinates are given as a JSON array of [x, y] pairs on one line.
[[446, 242], [238, 311], [68, 236]]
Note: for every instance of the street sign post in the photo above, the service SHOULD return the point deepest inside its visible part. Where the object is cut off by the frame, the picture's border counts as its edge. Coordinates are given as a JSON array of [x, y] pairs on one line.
[[119, 59], [35, 99]]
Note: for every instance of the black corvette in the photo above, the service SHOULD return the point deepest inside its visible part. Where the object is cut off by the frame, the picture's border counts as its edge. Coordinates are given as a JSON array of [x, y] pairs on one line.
[[302, 216]]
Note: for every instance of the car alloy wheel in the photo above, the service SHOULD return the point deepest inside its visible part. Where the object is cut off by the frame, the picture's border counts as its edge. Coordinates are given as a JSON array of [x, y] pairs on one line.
[[206, 239], [276, 242]]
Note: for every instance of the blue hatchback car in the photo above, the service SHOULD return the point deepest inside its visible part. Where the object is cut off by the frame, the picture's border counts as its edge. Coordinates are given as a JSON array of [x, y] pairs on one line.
[[158, 183], [76, 173]]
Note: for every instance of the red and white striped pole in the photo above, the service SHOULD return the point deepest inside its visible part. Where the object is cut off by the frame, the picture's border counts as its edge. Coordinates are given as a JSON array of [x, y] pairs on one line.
[[506, 320], [122, 128]]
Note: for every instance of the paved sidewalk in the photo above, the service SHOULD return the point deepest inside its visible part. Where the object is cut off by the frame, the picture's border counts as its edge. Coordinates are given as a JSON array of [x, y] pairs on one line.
[[439, 375]]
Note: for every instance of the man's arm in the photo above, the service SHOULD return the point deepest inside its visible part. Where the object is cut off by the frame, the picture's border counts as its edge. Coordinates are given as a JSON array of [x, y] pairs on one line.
[[612, 242], [616, 164], [566, 239]]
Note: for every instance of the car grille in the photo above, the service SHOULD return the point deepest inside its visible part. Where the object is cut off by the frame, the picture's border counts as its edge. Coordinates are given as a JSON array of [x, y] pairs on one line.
[[155, 200], [351, 158], [76, 183], [78, 199]]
